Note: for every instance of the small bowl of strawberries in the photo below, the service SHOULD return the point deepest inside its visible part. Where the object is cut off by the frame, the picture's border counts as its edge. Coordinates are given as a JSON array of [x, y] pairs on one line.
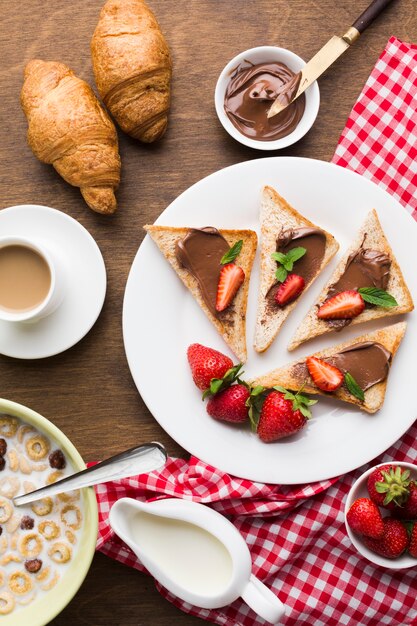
[[381, 515]]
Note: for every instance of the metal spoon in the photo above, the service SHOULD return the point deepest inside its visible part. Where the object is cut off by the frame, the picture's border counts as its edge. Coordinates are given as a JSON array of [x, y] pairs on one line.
[[137, 460]]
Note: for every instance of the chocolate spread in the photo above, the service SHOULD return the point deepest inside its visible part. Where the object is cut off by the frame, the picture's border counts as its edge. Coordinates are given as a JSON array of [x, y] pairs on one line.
[[367, 362], [250, 95], [364, 268], [200, 252], [314, 241]]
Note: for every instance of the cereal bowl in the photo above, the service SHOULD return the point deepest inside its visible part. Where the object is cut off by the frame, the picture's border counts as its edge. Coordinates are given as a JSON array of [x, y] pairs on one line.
[[359, 490], [45, 548], [267, 54]]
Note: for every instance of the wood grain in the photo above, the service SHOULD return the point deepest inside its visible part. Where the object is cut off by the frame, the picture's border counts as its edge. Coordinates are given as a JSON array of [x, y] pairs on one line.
[[88, 391]]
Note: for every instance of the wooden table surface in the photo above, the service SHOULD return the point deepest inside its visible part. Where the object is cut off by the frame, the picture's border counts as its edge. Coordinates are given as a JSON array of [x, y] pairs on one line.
[[88, 391]]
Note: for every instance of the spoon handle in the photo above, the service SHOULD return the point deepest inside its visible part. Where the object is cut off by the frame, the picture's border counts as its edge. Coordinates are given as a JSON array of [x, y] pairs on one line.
[[137, 460]]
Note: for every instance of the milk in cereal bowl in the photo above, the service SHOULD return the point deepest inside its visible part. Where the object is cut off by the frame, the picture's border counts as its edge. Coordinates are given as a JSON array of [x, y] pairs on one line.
[[45, 547]]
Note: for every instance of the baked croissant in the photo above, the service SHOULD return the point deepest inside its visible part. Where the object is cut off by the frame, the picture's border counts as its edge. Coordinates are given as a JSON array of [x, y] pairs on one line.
[[132, 67], [70, 130]]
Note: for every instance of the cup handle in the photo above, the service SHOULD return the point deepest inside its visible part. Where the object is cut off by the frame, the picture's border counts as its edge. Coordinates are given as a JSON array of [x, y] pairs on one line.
[[263, 601]]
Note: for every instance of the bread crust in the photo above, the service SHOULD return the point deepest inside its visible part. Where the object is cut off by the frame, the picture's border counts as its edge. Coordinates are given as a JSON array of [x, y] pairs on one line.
[[312, 326], [276, 214], [233, 328], [289, 376]]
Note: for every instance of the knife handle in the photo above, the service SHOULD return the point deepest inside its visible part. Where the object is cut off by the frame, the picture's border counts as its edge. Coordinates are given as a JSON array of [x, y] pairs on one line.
[[375, 8]]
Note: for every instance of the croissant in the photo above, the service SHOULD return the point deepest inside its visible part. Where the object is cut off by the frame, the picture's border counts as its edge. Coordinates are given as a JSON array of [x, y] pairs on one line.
[[70, 130], [132, 68]]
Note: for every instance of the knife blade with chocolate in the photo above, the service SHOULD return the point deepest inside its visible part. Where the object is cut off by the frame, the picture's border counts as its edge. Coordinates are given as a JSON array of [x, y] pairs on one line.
[[325, 57]]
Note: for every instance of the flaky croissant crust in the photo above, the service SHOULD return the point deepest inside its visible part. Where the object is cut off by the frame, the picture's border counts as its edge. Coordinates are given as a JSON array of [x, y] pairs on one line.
[[70, 130], [132, 68]]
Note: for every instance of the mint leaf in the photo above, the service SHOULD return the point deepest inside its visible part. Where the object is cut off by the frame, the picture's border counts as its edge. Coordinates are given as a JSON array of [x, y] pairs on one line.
[[380, 297], [295, 254], [353, 387], [230, 256], [286, 262], [281, 274]]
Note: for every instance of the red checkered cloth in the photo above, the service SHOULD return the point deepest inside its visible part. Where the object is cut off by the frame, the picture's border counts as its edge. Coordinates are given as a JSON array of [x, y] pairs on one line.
[[296, 534]]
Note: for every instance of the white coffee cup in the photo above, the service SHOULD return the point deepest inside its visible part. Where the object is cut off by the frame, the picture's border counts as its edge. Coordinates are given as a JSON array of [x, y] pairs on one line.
[[194, 552], [55, 294]]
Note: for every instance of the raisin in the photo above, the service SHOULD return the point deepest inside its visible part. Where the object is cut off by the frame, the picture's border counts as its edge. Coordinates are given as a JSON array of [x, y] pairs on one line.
[[27, 522], [2, 463], [1, 530], [57, 460], [33, 565], [3, 446]]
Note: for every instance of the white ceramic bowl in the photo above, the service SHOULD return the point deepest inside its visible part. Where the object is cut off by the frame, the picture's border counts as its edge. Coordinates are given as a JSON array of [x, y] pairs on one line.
[[359, 490], [264, 54]]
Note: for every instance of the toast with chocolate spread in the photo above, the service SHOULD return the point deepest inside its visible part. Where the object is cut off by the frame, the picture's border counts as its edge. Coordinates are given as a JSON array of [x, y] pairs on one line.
[[215, 265], [285, 275], [367, 359], [368, 271]]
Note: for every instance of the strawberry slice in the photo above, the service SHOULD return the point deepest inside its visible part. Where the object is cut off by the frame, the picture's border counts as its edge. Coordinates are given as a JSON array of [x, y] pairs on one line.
[[343, 306], [325, 376], [230, 279], [290, 289]]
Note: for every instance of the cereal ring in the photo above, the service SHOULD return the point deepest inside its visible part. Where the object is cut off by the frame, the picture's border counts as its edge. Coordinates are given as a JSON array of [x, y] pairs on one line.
[[10, 558], [23, 430], [20, 583], [51, 583], [30, 545], [9, 486], [52, 478], [1, 578], [7, 603], [13, 523], [69, 496], [4, 544], [42, 507], [70, 536], [8, 425], [28, 486], [13, 541], [13, 460], [24, 465], [27, 600], [39, 467], [43, 574], [37, 447], [49, 529], [60, 552], [6, 510], [71, 516]]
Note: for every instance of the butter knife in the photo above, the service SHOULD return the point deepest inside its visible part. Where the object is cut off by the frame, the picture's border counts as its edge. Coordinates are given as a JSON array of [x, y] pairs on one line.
[[330, 52], [137, 460]]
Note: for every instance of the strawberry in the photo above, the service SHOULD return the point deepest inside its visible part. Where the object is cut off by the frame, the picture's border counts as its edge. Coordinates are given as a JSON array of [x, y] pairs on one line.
[[290, 289], [283, 414], [393, 542], [388, 486], [364, 518], [230, 279], [409, 509], [412, 539], [206, 364], [325, 376], [342, 306], [230, 405]]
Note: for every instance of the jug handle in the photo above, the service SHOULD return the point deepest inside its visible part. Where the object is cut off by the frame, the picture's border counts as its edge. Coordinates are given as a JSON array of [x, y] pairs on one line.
[[263, 601]]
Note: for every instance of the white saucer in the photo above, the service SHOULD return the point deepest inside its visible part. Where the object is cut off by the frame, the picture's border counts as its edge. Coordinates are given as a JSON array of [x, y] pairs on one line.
[[85, 288]]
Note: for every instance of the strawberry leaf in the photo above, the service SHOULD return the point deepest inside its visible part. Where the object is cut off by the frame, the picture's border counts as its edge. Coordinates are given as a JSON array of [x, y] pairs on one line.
[[353, 387], [254, 403], [219, 384], [379, 297], [231, 254], [299, 400]]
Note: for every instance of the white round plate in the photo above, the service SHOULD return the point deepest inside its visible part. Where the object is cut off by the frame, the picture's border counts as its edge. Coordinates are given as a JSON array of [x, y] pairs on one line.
[[85, 288], [161, 319]]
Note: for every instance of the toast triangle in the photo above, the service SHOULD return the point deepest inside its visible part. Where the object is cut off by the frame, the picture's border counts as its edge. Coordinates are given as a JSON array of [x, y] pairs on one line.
[[276, 214], [370, 231], [295, 375], [232, 324]]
